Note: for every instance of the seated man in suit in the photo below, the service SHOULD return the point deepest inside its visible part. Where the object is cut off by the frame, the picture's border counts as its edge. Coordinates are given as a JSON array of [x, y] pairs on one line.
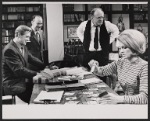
[[15, 71]]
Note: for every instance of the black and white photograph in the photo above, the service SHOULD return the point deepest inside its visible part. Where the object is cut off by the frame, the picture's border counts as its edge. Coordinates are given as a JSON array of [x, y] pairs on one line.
[[74, 60]]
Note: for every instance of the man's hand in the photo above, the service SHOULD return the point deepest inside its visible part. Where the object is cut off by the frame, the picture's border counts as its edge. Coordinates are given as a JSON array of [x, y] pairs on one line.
[[54, 67]]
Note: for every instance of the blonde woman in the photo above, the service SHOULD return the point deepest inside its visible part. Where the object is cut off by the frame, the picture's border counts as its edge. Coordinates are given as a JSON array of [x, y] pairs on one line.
[[132, 71]]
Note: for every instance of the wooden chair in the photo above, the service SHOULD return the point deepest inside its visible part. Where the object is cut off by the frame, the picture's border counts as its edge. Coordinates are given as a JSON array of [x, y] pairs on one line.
[[8, 99]]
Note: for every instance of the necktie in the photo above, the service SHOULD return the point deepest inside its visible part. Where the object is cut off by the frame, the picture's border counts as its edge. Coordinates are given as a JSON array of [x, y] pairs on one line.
[[22, 50], [38, 38], [96, 38]]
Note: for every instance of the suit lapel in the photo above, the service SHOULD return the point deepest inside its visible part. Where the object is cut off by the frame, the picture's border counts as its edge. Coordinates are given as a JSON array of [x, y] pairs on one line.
[[41, 37], [34, 38], [19, 52]]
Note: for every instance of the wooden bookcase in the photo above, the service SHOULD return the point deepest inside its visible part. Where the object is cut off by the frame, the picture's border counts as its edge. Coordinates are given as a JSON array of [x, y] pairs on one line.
[[14, 15]]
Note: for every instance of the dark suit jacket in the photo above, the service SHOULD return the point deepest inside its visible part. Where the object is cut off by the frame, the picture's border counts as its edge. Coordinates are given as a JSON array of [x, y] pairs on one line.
[[14, 68], [35, 48]]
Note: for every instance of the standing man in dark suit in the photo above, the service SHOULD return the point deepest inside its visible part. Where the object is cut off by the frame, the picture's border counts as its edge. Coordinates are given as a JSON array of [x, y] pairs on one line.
[[15, 61], [36, 43], [96, 35]]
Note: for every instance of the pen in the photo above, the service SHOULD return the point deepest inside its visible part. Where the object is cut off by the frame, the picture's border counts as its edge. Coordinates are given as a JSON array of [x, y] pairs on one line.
[[48, 101]]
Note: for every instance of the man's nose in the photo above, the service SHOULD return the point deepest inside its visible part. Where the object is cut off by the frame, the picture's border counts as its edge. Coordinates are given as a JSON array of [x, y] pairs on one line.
[[28, 40], [121, 50]]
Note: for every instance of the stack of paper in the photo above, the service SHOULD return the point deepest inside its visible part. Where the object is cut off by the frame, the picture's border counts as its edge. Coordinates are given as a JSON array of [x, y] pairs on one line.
[[75, 71], [90, 80], [78, 71], [44, 95]]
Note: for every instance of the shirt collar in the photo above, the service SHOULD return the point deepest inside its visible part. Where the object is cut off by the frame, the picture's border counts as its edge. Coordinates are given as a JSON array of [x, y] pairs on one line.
[[18, 45], [34, 31], [92, 25]]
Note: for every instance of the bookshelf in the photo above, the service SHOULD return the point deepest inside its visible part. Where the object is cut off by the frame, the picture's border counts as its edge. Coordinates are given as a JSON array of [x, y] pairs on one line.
[[14, 15]]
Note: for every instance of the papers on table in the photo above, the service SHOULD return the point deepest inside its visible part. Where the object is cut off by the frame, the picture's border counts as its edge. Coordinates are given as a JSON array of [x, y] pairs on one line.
[[102, 85], [75, 71], [69, 93], [78, 71], [90, 80], [44, 95]]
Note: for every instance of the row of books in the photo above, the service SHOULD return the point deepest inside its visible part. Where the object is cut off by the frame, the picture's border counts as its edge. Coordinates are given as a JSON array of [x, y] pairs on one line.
[[141, 7], [141, 17], [7, 32], [16, 17], [21, 9], [73, 47], [68, 7], [4, 17], [12, 24], [74, 17], [104, 7], [6, 40]]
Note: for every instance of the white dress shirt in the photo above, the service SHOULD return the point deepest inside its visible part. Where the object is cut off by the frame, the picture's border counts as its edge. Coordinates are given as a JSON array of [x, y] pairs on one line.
[[111, 28]]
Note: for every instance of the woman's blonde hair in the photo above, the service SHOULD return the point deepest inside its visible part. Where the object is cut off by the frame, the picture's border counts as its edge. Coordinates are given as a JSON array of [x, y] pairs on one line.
[[134, 40]]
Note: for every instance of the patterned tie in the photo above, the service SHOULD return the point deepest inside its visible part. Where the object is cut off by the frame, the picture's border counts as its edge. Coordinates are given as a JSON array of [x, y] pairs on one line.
[[96, 38]]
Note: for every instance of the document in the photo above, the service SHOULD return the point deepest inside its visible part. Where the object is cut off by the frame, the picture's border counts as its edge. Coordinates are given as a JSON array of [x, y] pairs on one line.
[[78, 71], [102, 85], [75, 71], [90, 80], [53, 95]]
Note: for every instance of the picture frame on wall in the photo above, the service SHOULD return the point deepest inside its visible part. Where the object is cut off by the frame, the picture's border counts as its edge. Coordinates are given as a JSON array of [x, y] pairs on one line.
[[72, 31]]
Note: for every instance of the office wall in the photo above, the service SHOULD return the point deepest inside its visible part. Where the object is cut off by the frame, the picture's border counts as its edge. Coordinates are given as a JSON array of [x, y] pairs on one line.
[[55, 32]]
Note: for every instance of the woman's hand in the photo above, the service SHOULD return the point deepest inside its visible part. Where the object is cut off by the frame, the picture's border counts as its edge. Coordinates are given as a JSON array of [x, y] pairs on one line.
[[112, 98], [93, 63], [95, 69]]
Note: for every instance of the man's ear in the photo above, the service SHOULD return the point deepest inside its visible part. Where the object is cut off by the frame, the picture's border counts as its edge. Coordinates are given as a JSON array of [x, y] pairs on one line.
[[32, 22], [18, 35]]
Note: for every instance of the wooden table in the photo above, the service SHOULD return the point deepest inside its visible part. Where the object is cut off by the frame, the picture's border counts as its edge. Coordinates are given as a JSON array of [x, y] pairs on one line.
[[81, 95]]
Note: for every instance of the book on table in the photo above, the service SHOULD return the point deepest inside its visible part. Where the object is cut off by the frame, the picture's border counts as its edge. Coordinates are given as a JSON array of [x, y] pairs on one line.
[[74, 86]]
